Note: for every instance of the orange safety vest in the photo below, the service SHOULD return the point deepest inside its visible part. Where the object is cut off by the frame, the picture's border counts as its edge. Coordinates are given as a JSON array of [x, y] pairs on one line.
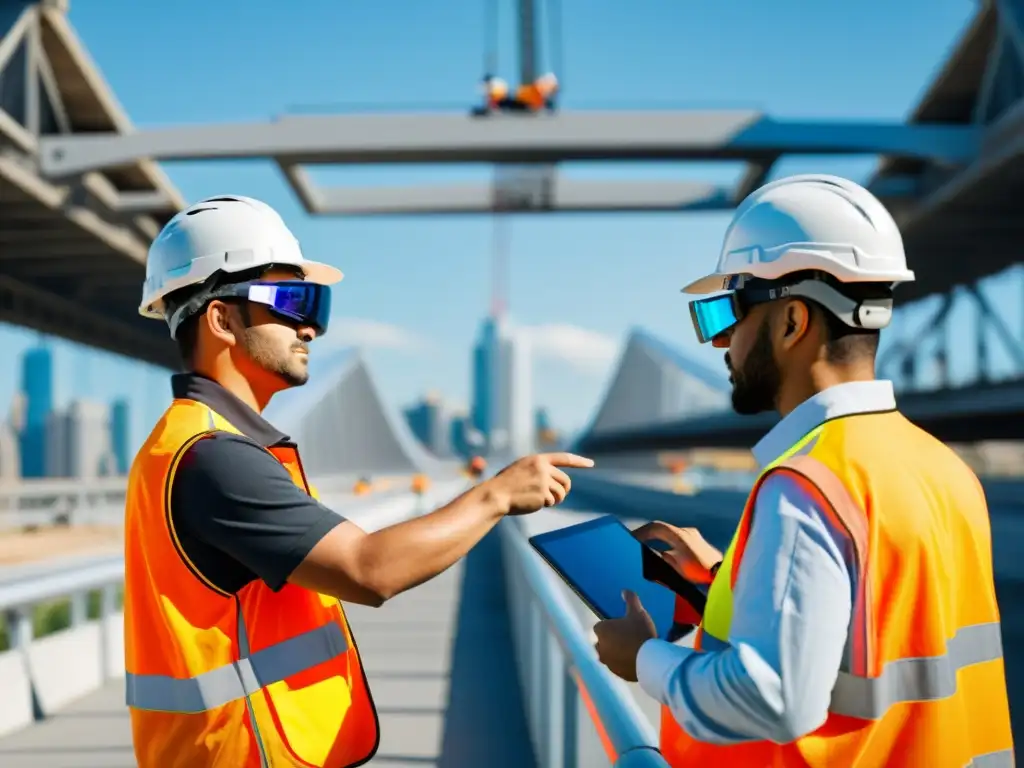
[[922, 680], [530, 96], [257, 679]]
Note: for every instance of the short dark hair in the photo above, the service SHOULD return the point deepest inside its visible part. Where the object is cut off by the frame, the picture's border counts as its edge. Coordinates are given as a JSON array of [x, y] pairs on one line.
[[845, 343], [187, 335]]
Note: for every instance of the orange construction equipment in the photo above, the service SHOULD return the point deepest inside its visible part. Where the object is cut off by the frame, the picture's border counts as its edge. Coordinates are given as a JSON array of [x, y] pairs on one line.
[[528, 97], [304, 699], [922, 681], [420, 484], [476, 467], [539, 94], [362, 487]]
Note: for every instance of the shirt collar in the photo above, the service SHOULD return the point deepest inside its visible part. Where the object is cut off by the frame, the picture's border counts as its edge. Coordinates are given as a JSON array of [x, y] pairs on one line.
[[845, 399], [192, 386]]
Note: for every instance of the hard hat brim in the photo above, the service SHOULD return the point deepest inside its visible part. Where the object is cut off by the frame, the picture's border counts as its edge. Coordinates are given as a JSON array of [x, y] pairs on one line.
[[712, 283], [322, 274]]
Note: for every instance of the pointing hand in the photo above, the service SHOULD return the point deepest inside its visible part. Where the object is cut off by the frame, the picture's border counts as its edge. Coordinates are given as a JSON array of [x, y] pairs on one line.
[[534, 482]]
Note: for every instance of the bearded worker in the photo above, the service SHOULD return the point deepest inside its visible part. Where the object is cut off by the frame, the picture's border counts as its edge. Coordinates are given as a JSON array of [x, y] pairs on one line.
[[237, 650], [852, 621]]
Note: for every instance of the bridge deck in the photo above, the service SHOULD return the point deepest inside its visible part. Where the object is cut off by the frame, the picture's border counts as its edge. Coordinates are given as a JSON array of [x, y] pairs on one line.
[[439, 659]]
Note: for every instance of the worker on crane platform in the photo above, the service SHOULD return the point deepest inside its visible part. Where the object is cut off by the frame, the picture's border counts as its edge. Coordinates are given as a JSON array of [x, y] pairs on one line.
[[852, 621], [528, 97], [237, 650]]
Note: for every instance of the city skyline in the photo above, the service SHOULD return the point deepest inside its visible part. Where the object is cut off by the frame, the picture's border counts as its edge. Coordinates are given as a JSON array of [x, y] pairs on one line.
[[502, 417], [578, 283], [82, 438]]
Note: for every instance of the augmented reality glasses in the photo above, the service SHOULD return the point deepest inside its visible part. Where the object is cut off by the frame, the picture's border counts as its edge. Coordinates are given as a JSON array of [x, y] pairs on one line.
[[715, 315], [294, 300]]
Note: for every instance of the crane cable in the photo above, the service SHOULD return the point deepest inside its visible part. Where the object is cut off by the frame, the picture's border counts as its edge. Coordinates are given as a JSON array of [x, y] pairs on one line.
[[491, 37], [553, 16]]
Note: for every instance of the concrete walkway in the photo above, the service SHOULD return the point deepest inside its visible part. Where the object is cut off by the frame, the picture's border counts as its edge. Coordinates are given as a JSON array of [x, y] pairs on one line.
[[439, 660]]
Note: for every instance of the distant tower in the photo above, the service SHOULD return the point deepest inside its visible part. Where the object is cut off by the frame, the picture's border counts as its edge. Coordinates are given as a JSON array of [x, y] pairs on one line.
[[120, 427], [37, 385]]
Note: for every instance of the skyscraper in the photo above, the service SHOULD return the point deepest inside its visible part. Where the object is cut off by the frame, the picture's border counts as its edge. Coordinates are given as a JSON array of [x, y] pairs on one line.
[[37, 386], [428, 422], [119, 431], [458, 435], [485, 355], [78, 441], [515, 386], [502, 388]]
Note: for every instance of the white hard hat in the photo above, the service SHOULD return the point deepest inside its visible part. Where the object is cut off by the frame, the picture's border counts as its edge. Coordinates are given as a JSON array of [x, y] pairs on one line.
[[228, 233], [810, 222]]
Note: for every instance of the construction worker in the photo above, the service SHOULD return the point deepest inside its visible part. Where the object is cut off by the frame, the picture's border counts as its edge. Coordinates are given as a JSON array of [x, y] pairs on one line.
[[528, 97], [538, 95], [852, 621], [237, 650], [495, 92]]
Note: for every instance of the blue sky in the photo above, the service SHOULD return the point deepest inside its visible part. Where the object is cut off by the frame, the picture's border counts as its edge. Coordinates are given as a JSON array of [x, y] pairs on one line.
[[416, 288]]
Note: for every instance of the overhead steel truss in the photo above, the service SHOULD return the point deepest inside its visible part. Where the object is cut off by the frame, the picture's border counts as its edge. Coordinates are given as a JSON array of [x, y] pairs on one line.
[[540, 140], [72, 252]]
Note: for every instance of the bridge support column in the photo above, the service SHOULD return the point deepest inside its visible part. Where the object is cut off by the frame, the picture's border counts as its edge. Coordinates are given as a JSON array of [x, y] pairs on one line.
[[900, 361], [988, 318]]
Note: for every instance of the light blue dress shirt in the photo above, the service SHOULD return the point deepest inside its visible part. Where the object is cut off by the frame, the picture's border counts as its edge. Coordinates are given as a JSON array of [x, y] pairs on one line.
[[791, 606]]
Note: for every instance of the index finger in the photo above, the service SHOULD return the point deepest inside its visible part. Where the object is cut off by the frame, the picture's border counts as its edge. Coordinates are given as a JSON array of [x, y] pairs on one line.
[[659, 531], [568, 460]]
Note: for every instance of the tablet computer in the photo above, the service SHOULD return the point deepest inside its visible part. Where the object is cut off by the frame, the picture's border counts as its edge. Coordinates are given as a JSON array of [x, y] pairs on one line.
[[599, 558]]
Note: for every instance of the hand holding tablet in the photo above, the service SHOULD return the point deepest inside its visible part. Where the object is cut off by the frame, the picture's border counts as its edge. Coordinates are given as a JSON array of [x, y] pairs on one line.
[[600, 558]]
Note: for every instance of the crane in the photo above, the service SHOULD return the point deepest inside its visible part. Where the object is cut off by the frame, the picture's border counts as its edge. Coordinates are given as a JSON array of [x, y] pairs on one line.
[[535, 92]]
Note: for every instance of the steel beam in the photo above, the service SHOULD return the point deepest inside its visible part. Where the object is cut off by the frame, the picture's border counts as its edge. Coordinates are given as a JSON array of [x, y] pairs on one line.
[[543, 138], [969, 414], [563, 196], [41, 310]]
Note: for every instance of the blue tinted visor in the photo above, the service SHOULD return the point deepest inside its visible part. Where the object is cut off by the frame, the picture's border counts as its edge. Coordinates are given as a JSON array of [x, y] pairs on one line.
[[715, 315], [301, 302]]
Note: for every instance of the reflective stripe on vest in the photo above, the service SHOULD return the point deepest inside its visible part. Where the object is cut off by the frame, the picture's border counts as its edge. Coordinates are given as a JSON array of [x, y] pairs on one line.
[[922, 679], [242, 678], [1001, 759]]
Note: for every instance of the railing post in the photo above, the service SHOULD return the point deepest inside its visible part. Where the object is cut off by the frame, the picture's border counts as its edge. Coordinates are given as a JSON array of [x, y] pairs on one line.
[[79, 608], [570, 722], [108, 605], [19, 628], [537, 678], [554, 669]]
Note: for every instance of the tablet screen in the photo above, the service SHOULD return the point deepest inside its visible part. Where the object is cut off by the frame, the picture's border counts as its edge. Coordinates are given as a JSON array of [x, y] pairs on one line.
[[598, 559]]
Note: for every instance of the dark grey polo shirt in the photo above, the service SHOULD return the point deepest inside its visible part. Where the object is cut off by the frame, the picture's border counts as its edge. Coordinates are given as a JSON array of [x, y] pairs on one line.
[[237, 513]]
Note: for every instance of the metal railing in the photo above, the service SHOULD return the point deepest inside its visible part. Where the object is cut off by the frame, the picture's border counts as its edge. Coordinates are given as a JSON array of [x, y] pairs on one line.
[[58, 651], [559, 671], [20, 596], [31, 503]]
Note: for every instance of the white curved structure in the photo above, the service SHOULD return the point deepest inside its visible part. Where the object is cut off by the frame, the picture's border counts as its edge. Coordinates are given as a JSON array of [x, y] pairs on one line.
[[344, 428], [654, 382]]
